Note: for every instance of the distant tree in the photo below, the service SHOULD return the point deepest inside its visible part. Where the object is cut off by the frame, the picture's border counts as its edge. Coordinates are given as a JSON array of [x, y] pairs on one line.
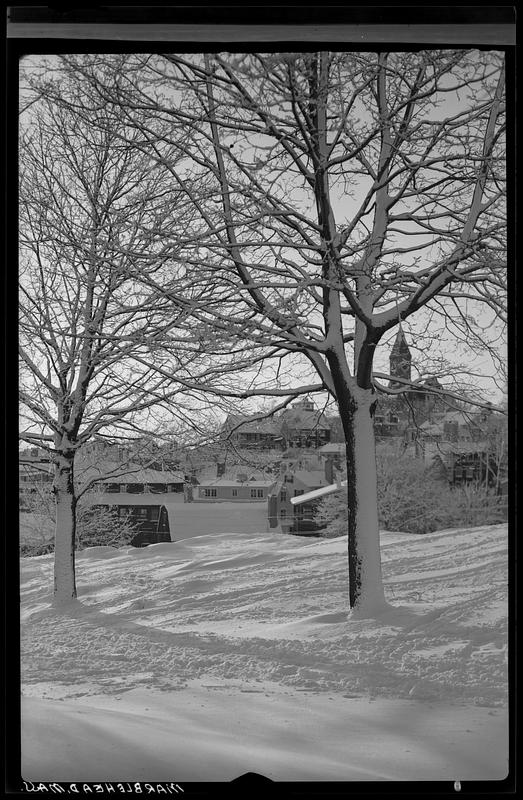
[[496, 457]]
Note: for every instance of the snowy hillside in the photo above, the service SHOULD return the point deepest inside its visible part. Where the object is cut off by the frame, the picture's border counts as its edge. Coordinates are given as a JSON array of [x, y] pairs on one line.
[[209, 657]]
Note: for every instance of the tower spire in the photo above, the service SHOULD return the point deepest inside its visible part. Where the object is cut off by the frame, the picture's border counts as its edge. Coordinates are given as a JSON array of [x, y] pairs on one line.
[[400, 360]]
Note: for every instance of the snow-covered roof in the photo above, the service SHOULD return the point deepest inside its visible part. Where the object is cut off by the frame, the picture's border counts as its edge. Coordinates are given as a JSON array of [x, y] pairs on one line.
[[134, 499], [312, 478], [235, 483], [462, 448], [431, 427], [304, 420], [321, 492], [461, 417], [332, 447], [243, 424], [35, 468], [111, 472]]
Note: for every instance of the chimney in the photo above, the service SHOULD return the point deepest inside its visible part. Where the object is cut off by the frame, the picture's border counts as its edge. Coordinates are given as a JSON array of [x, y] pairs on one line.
[[220, 469], [273, 511], [451, 431]]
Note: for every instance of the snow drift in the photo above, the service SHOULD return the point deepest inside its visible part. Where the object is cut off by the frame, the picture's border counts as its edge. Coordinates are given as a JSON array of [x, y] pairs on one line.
[[209, 657]]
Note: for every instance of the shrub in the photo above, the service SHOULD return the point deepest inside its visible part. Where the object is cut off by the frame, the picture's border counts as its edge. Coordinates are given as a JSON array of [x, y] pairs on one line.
[[412, 500], [102, 526], [94, 526]]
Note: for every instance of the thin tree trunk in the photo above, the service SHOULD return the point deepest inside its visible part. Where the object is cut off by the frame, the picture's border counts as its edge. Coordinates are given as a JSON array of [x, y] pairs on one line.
[[64, 563], [366, 595]]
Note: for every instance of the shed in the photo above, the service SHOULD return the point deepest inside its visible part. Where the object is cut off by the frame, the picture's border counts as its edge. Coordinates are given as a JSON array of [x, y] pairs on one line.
[[187, 520]]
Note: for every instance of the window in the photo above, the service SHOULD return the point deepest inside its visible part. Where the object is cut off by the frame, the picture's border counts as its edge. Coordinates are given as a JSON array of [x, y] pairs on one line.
[[283, 513], [260, 492], [289, 478], [297, 492], [209, 492], [283, 496], [235, 492], [253, 492]]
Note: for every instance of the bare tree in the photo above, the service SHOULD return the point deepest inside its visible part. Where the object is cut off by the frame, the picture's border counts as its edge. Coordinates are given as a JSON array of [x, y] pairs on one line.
[[94, 211], [342, 194]]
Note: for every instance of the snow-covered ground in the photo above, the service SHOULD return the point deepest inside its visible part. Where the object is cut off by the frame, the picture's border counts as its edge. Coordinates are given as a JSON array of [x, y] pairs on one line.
[[213, 656]]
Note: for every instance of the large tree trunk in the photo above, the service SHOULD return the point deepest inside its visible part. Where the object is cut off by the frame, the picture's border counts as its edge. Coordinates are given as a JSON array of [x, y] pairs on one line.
[[64, 566], [366, 596]]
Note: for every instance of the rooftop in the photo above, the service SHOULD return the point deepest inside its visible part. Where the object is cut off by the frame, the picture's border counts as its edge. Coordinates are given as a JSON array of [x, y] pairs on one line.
[[333, 447], [250, 425], [312, 478], [308, 420], [460, 448], [233, 481], [113, 472], [131, 499]]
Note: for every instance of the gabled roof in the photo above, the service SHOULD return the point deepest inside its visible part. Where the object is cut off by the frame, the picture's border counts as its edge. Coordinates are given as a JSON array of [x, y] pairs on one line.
[[311, 478], [333, 447], [235, 484], [35, 469], [462, 448], [304, 420], [461, 417], [130, 499], [147, 475], [431, 427], [315, 493], [432, 383], [112, 472], [243, 424]]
